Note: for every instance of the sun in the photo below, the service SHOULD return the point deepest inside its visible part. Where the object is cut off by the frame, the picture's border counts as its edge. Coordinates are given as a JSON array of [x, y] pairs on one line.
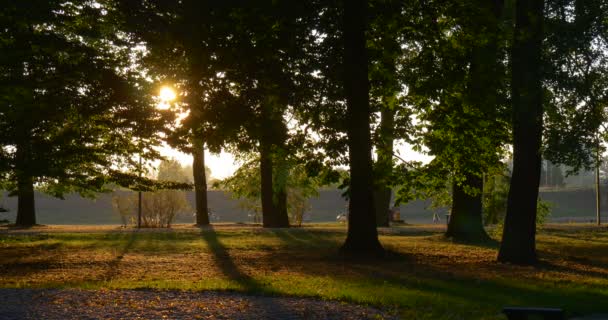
[[167, 94]]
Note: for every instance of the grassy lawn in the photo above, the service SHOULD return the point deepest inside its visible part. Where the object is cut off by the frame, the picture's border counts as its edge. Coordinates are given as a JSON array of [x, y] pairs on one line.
[[426, 277]]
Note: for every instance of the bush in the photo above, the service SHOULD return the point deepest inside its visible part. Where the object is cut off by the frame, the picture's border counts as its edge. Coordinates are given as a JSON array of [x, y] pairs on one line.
[[159, 208]]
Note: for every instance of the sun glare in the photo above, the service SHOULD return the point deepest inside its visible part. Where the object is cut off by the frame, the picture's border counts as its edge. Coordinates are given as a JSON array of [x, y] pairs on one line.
[[167, 94]]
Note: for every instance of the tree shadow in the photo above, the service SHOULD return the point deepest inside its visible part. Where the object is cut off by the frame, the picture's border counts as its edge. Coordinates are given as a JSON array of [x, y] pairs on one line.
[[225, 262], [113, 269], [271, 308]]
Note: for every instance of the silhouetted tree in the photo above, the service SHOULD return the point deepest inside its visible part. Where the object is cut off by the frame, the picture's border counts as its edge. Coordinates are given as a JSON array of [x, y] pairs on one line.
[[362, 236], [72, 108], [518, 242]]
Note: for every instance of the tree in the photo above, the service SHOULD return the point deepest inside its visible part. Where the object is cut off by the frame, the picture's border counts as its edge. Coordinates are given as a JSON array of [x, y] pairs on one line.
[[278, 36], [181, 59], [72, 109], [387, 32], [362, 236], [518, 242], [456, 86]]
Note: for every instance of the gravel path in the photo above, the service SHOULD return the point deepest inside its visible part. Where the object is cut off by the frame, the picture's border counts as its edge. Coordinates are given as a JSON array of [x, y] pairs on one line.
[[58, 304]]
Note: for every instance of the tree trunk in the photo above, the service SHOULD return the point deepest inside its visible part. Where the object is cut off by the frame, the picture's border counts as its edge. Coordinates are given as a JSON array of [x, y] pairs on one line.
[[518, 242], [598, 202], [268, 207], [385, 165], [274, 200], [382, 199], [26, 210], [466, 223], [281, 208], [280, 194], [200, 182], [362, 236]]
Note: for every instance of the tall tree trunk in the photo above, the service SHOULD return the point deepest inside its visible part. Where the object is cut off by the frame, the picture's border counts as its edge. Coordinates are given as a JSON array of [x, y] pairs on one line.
[[466, 215], [268, 207], [518, 242], [598, 202], [385, 164], [274, 201], [26, 211], [281, 208], [362, 236], [280, 194], [200, 182]]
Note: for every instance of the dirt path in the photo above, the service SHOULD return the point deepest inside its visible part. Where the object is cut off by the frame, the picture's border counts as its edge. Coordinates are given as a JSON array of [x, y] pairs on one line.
[[58, 304]]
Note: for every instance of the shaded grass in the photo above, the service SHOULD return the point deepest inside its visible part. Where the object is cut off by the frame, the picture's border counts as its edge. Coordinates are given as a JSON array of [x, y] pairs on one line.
[[428, 277]]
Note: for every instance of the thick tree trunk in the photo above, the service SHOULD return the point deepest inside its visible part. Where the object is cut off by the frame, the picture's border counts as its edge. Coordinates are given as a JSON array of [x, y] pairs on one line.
[[268, 207], [518, 242], [200, 182], [280, 194], [26, 211], [466, 223], [598, 202], [274, 202], [382, 199], [362, 236], [281, 170], [385, 166], [281, 208]]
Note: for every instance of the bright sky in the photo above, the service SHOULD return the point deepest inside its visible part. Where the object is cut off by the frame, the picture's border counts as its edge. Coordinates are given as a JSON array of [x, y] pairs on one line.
[[222, 165]]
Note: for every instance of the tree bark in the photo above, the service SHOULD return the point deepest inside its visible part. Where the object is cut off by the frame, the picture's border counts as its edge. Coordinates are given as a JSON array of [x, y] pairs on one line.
[[281, 208], [362, 236], [274, 201], [598, 202], [385, 166], [200, 182], [266, 186], [26, 210], [518, 242], [466, 223], [273, 136]]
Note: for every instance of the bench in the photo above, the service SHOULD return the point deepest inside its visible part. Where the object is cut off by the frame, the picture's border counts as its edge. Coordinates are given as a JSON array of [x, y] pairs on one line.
[[519, 313]]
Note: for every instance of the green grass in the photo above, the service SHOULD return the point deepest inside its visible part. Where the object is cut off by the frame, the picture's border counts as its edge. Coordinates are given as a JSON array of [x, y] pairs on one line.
[[426, 277]]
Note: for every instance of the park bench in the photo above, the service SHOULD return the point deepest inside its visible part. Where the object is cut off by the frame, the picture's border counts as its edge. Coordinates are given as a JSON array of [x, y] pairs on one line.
[[519, 313]]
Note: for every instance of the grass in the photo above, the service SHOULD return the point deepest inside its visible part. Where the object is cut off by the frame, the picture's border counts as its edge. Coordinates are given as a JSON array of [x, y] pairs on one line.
[[427, 277]]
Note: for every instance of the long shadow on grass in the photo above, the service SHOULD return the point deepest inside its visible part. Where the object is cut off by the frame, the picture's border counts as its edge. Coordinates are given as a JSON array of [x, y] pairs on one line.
[[225, 262], [113, 269], [272, 309]]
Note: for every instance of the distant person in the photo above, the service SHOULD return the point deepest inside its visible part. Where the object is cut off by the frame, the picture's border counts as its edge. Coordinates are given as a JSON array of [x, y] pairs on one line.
[[436, 217]]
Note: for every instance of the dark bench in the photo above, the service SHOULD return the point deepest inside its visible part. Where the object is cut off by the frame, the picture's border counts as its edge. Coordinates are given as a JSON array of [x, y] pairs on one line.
[[517, 313]]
